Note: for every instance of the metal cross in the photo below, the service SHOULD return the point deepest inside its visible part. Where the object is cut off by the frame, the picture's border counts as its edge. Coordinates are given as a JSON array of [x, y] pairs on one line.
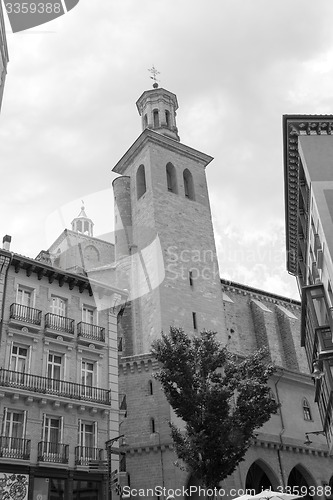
[[154, 72]]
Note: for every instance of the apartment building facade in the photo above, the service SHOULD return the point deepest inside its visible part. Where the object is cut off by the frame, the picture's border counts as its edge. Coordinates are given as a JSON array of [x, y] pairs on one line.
[[58, 380], [308, 154]]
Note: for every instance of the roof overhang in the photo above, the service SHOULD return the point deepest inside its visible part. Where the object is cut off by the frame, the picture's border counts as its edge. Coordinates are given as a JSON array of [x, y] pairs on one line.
[[293, 127], [150, 136]]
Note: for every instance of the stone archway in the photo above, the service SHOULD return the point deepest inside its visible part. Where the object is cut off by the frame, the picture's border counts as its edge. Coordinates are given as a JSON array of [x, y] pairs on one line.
[[260, 477], [299, 477]]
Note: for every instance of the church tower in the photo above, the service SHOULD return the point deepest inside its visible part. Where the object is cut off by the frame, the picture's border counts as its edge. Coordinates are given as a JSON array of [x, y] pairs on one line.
[[164, 234]]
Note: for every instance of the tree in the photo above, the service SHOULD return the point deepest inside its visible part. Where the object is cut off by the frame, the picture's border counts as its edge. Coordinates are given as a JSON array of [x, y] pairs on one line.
[[221, 400]]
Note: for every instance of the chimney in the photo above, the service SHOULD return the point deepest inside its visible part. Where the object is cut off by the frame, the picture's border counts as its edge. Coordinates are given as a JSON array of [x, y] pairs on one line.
[[6, 242]]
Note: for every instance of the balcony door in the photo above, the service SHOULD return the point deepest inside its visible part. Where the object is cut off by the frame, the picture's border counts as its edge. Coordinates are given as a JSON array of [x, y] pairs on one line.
[[58, 306], [87, 440], [54, 371], [87, 377], [52, 436], [88, 315], [24, 297], [13, 431], [18, 364]]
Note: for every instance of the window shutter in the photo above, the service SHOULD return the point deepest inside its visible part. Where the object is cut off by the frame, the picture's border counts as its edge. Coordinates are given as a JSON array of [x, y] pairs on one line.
[[24, 423], [43, 427], [4, 422], [79, 432], [95, 435], [61, 429], [29, 359]]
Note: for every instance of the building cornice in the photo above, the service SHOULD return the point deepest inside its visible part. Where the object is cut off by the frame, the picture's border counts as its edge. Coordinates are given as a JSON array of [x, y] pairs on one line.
[[42, 270], [150, 136], [257, 293], [294, 126]]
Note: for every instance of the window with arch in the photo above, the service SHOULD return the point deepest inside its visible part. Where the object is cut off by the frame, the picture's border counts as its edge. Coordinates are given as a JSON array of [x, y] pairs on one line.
[[306, 410], [167, 118], [188, 184], [171, 178], [150, 388], [156, 119], [140, 181]]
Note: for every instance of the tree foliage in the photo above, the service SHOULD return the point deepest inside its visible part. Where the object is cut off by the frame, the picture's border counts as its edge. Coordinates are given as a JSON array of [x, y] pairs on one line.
[[221, 400]]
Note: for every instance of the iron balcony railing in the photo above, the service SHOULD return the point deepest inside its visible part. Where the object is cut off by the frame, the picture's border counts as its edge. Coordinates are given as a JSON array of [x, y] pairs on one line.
[[25, 313], [91, 332], [84, 455], [44, 385], [53, 452], [13, 447], [59, 323]]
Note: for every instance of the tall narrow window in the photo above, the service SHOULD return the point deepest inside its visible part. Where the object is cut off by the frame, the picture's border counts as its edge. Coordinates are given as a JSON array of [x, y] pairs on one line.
[[58, 306], [87, 377], [54, 371], [190, 277], [140, 181], [88, 440], [188, 184], [88, 315], [306, 410], [54, 366], [150, 388], [171, 178], [19, 359], [145, 121], [156, 119], [24, 296], [152, 426], [194, 319], [18, 364], [167, 118], [52, 437], [14, 423]]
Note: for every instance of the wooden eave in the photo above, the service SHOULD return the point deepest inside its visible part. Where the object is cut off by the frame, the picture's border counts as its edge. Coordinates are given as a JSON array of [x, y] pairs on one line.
[[51, 273], [149, 135], [294, 126]]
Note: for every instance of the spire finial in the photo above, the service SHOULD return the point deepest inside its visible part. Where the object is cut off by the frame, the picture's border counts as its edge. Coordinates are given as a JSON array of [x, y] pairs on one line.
[[154, 73], [82, 208]]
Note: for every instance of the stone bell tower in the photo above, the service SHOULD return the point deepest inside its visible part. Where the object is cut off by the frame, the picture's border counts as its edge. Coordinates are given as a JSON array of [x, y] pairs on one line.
[[165, 239]]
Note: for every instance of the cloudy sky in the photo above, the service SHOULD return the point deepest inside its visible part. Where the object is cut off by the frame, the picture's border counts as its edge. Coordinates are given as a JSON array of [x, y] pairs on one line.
[[236, 66]]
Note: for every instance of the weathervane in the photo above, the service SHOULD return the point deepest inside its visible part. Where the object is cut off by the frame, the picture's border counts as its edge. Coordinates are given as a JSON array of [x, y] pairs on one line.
[[154, 73]]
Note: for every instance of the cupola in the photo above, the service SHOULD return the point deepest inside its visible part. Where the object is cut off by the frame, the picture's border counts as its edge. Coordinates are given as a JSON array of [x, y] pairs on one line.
[[157, 108], [82, 224]]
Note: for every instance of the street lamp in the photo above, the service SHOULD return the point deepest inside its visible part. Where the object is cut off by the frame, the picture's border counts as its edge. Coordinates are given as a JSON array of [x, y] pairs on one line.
[[308, 441]]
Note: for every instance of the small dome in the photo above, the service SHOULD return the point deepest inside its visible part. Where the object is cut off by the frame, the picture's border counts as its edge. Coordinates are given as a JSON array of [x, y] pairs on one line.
[[82, 224]]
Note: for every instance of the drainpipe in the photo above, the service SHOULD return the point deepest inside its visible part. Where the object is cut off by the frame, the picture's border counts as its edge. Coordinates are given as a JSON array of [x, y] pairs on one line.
[[282, 431]]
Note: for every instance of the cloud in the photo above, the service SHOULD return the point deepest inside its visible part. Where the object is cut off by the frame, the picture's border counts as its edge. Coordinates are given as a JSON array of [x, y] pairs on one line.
[[236, 66]]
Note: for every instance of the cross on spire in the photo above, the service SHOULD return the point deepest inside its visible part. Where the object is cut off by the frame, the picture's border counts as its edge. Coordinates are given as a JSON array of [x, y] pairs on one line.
[[154, 73]]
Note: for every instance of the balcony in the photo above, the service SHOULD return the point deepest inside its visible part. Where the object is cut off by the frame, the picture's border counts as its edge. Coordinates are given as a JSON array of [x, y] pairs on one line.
[[44, 385], [13, 447], [87, 456], [56, 453], [56, 325], [25, 314], [90, 333]]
